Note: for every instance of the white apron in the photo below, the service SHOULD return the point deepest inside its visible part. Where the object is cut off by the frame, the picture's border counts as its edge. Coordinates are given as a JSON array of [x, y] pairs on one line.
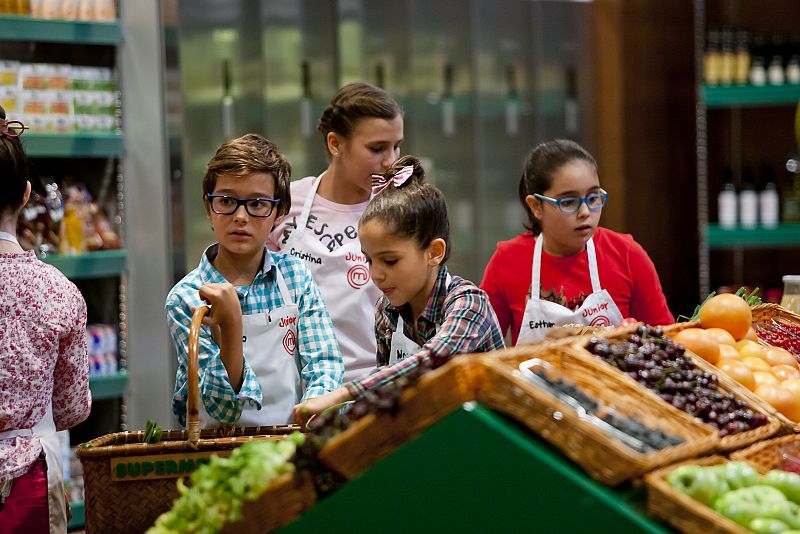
[[401, 346], [270, 341], [350, 296], [540, 315], [45, 430]]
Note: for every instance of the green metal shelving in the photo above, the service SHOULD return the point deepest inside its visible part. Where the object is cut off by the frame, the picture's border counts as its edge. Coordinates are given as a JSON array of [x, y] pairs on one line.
[[784, 235], [750, 95], [22, 28], [477, 471], [91, 264], [108, 386], [78, 515], [73, 145]]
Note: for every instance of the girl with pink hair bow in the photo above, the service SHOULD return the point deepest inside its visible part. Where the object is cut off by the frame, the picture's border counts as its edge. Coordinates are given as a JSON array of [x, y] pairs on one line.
[[425, 316]]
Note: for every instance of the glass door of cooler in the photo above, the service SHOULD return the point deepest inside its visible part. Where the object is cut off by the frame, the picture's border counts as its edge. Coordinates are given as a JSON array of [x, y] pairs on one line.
[[221, 80], [300, 75]]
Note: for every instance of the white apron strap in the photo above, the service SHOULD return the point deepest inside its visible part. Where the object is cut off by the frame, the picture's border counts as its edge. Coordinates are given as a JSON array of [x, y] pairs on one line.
[[303, 219], [5, 236], [593, 274], [536, 267], [284, 289], [8, 434], [537, 264]]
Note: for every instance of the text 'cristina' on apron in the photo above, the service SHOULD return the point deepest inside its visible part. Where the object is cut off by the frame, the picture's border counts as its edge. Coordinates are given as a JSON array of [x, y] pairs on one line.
[[350, 296], [269, 345], [540, 315], [401, 346]]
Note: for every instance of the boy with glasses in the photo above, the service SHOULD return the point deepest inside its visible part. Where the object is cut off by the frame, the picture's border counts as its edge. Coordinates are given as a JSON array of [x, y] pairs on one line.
[[268, 341]]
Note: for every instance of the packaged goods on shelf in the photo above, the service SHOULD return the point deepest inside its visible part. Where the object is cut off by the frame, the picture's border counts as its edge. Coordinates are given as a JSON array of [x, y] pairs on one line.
[[60, 98], [731, 57], [101, 342], [88, 10], [70, 224]]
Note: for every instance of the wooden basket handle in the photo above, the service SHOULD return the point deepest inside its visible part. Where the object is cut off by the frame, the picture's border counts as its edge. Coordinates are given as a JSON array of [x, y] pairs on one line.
[[192, 404]]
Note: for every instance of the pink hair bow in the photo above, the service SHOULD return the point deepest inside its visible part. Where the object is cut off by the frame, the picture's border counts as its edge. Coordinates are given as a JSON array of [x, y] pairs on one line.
[[380, 182]]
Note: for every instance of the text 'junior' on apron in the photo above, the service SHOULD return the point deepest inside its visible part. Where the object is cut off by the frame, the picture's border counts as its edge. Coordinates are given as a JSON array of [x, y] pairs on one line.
[[541, 315], [343, 278], [270, 341]]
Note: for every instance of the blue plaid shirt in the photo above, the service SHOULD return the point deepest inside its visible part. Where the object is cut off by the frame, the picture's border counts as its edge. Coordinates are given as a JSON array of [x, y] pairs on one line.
[[321, 362]]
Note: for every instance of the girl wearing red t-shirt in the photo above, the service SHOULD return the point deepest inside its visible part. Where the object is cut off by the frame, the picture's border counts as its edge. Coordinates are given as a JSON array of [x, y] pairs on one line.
[[565, 269]]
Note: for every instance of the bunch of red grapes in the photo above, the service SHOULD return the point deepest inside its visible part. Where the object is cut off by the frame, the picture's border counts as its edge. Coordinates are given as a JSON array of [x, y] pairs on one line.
[[780, 334], [659, 364]]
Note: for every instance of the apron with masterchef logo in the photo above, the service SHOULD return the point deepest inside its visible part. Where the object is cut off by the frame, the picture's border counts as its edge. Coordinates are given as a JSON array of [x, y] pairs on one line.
[[270, 340], [540, 315], [350, 296]]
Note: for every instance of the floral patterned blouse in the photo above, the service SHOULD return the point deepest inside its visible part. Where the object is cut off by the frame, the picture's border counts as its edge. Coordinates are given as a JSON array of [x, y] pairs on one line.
[[43, 355]]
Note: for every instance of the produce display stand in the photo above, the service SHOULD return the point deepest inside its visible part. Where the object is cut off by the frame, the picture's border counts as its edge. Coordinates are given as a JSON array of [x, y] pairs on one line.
[[477, 471]]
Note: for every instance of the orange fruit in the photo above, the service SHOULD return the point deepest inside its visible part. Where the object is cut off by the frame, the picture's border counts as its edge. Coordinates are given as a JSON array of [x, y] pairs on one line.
[[751, 335], [778, 356], [723, 336], [739, 372], [726, 352], [756, 364], [700, 342], [785, 372], [764, 377], [781, 399], [747, 347], [729, 312], [793, 385]]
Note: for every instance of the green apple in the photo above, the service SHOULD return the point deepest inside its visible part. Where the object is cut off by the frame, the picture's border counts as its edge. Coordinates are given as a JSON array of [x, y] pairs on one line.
[[745, 504], [701, 484], [738, 474], [787, 511], [762, 525], [788, 483]]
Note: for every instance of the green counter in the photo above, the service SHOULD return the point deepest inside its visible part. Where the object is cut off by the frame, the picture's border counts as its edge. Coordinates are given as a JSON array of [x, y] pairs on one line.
[[477, 471]]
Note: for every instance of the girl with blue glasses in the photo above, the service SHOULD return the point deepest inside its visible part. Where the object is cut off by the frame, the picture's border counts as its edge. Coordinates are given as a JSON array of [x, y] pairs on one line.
[[566, 269]]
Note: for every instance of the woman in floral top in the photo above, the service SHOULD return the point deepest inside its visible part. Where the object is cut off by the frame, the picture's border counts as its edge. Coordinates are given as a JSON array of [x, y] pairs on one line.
[[44, 383]]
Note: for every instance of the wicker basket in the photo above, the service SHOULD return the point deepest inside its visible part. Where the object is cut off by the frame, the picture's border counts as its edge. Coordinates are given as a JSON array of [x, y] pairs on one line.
[[680, 510], [765, 455], [284, 500], [373, 437], [128, 484], [722, 377], [604, 458], [725, 384], [764, 314]]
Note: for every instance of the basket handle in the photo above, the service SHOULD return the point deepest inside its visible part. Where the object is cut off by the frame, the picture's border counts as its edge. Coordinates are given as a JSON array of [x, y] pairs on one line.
[[192, 404]]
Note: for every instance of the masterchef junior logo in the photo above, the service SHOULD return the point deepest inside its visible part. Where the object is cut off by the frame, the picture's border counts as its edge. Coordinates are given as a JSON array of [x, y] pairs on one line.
[[358, 274], [289, 342], [599, 319]]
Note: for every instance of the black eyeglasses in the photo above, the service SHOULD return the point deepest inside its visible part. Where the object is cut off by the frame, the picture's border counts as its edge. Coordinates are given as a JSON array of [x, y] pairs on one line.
[[12, 128], [256, 207], [593, 201]]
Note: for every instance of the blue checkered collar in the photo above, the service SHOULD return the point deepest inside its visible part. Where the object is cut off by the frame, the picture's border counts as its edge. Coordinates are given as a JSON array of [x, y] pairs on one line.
[[210, 275]]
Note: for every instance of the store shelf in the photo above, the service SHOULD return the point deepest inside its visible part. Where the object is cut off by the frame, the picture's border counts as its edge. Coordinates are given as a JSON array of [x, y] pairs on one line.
[[110, 386], [78, 515], [20, 28], [750, 95], [73, 145], [784, 235], [90, 265], [498, 477]]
